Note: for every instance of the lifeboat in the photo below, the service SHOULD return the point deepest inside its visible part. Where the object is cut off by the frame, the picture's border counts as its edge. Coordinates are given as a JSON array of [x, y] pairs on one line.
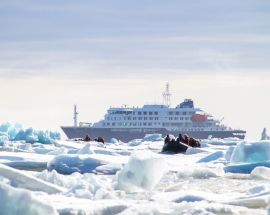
[[198, 118]]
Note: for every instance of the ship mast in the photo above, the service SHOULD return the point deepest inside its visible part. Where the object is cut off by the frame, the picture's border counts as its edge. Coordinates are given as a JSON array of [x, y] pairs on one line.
[[167, 95], [75, 116]]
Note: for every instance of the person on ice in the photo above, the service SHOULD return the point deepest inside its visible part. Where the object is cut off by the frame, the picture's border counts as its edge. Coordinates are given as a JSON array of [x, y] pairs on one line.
[[87, 138]]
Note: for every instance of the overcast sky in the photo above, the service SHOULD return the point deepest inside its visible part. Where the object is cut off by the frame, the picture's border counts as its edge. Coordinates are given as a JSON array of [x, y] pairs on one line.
[[55, 53]]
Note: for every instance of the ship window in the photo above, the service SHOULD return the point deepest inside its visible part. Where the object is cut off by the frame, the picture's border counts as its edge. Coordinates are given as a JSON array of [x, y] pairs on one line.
[[170, 118], [181, 118], [156, 113], [108, 123], [150, 118], [187, 118], [130, 124], [139, 118], [184, 113], [113, 124], [120, 123], [139, 123], [156, 118], [150, 113], [134, 118], [144, 118], [149, 124], [175, 118], [144, 113], [139, 113], [134, 123], [177, 113], [144, 123], [129, 118], [103, 123], [170, 113]]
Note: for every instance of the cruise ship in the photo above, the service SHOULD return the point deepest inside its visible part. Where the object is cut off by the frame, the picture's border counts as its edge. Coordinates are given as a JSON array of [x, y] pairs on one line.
[[128, 123]]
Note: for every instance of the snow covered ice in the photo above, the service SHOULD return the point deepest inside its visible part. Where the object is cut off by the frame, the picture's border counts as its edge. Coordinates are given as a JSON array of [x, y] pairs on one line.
[[73, 177]]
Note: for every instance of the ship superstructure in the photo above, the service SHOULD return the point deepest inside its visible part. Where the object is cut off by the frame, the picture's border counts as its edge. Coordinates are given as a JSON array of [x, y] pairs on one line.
[[127, 123]]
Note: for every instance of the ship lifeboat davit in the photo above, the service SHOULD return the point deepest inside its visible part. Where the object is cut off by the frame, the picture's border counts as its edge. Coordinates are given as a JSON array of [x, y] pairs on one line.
[[198, 118]]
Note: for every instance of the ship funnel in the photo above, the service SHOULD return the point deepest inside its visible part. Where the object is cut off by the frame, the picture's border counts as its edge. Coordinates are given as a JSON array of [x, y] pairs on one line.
[[167, 95], [75, 116]]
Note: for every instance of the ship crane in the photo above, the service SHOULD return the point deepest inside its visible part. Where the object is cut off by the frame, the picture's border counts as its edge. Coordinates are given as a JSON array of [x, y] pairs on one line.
[[167, 95]]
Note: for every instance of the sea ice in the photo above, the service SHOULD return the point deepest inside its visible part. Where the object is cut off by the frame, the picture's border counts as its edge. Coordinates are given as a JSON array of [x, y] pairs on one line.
[[23, 202], [142, 172]]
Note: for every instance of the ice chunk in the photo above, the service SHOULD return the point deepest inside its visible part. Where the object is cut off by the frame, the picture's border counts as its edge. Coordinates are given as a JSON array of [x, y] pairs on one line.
[[247, 156], [68, 164], [212, 157], [245, 168], [24, 180], [251, 152], [114, 141], [19, 201], [135, 142], [200, 173], [229, 152], [3, 139], [264, 135], [260, 172], [85, 150], [109, 169], [142, 172], [153, 137], [192, 150]]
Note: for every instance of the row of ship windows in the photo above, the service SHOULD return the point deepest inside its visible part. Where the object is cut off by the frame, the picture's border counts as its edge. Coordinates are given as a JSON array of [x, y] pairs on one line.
[[130, 124], [146, 118], [151, 124], [152, 112]]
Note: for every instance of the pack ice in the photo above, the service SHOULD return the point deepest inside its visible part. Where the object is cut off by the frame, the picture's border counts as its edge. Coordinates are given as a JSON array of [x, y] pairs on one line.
[[75, 177]]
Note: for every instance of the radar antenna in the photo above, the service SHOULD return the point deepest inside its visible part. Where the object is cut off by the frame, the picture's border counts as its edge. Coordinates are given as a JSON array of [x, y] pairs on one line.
[[75, 116], [167, 95]]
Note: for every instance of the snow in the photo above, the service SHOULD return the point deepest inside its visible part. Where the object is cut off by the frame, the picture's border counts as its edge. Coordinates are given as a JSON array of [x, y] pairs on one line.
[[75, 177]]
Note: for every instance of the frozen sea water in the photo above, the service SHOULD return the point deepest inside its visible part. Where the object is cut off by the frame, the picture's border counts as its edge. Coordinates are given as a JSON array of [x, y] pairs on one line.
[[68, 177]]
